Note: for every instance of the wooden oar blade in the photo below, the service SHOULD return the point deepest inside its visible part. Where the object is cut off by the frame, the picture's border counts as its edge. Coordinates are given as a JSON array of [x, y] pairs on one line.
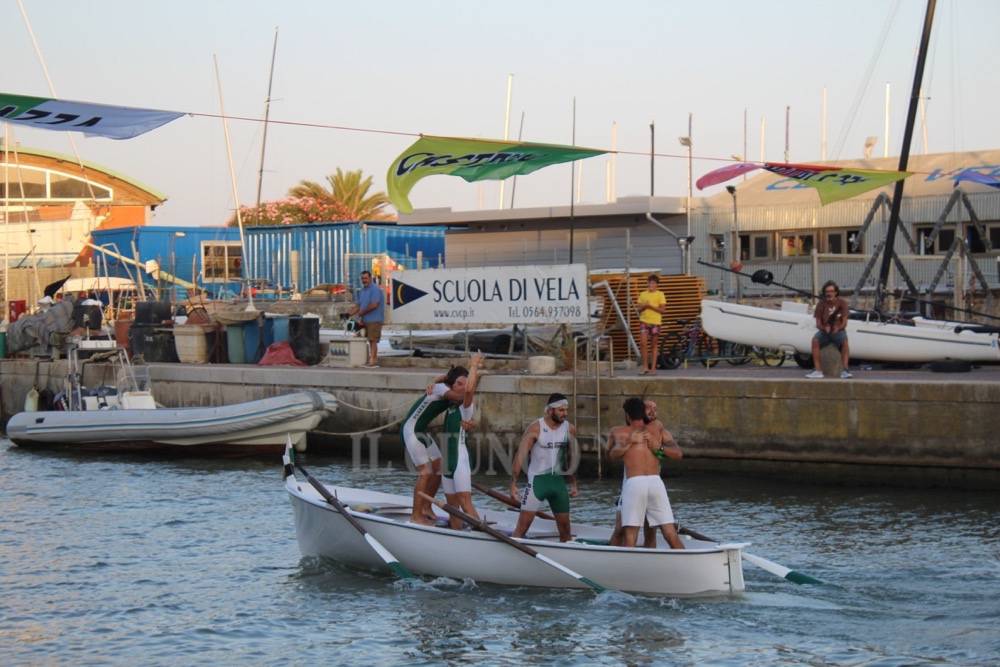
[[397, 568]]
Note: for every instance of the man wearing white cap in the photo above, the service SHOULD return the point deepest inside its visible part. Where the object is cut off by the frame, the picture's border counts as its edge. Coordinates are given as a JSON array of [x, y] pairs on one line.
[[45, 303], [545, 447]]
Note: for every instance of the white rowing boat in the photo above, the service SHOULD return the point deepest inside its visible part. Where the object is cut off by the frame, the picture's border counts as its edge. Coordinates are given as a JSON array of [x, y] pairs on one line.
[[702, 569], [793, 330]]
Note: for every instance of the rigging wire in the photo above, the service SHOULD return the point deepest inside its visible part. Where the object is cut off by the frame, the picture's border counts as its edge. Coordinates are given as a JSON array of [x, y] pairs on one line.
[[855, 107]]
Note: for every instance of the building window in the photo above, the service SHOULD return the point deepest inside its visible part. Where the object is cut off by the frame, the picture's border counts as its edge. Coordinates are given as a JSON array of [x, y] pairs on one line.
[[841, 242], [995, 237], [221, 261], [797, 245], [718, 244], [66, 187], [755, 246], [941, 244], [45, 184]]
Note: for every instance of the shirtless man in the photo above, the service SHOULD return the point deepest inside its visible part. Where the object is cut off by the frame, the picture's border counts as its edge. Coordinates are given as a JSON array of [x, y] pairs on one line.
[[644, 494], [545, 447], [648, 532], [423, 451]]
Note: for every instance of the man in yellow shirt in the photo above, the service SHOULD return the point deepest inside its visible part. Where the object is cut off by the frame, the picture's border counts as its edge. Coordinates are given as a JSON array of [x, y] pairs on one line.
[[652, 306]]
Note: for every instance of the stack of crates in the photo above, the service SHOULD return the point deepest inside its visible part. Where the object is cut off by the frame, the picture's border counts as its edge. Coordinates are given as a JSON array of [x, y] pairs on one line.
[[684, 294]]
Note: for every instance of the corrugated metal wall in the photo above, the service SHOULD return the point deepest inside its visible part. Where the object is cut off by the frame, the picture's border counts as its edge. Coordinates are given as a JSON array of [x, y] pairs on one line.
[[325, 250], [599, 246]]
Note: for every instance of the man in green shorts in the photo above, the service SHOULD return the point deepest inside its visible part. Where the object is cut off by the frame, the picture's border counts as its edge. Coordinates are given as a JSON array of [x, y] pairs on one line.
[[545, 446]]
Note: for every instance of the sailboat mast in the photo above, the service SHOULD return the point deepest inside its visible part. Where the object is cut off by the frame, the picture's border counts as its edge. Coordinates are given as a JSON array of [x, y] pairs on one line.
[[267, 113], [888, 252]]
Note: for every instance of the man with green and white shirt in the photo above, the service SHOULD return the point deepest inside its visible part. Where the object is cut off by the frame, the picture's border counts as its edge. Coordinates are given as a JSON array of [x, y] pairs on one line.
[[457, 482], [545, 448]]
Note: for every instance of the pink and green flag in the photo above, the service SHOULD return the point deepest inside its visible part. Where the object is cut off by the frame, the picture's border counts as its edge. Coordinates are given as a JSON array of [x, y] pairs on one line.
[[473, 160], [99, 120]]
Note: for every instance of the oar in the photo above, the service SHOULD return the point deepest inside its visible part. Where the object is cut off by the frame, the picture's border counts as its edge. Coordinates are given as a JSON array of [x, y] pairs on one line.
[[391, 561], [507, 500], [493, 532], [776, 569]]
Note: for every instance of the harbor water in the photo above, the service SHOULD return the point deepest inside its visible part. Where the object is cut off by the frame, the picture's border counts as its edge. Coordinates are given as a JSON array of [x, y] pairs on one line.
[[130, 560]]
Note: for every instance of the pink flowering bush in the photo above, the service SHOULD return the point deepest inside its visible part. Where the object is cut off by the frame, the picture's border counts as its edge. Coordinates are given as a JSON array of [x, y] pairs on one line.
[[292, 211]]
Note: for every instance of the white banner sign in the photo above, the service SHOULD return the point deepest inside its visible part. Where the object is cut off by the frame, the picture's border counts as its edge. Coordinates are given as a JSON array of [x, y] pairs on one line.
[[491, 295]]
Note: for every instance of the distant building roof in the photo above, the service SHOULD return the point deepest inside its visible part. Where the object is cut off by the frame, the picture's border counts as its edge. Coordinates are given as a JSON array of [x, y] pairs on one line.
[[623, 207], [932, 176]]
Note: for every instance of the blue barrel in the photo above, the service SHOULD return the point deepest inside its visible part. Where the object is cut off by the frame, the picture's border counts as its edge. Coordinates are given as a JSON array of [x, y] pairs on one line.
[[251, 341], [267, 332], [279, 329], [234, 343]]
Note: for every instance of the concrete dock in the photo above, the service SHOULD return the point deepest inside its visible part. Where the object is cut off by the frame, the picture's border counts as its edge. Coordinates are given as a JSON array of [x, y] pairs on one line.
[[892, 427]]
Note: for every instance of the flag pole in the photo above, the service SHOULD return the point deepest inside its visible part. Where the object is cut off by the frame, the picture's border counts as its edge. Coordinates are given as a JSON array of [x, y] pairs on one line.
[[245, 268], [888, 249]]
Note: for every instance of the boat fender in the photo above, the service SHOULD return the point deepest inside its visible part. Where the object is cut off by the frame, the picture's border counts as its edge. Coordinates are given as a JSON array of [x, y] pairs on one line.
[[31, 401], [316, 400], [762, 276]]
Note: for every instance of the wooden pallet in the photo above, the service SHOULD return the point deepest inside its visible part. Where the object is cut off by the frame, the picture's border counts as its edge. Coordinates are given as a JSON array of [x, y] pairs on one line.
[[684, 294]]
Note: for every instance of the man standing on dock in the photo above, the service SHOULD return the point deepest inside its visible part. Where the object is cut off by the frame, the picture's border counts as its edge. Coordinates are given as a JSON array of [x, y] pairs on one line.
[[370, 312], [831, 316], [545, 448], [644, 496]]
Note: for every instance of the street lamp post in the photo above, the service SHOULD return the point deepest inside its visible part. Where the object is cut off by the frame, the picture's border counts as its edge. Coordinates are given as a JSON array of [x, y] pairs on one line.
[[689, 143], [735, 245]]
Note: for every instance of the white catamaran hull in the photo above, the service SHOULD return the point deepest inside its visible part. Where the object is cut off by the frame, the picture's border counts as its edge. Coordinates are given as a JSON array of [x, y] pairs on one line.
[[262, 425], [702, 569], [877, 341]]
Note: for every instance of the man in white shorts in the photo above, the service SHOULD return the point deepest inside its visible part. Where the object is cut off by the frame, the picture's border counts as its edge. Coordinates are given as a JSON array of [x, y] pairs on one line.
[[423, 451], [621, 434], [457, 482], [644, 496]]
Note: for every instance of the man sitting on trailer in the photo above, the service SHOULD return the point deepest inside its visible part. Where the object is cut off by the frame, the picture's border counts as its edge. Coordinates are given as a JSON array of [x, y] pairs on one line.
[[545, 446], [423, 451], [644, 495]]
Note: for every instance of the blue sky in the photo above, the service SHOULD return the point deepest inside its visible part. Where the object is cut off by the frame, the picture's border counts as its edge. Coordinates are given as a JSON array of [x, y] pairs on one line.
[[441, 68]]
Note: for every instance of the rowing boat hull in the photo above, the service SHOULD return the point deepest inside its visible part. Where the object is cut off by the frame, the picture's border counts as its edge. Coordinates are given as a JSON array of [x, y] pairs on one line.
[[255, 426], [703, 569], [876, 341]]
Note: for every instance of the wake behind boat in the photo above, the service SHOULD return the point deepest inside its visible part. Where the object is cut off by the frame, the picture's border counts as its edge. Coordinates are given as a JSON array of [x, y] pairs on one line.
[[701, 569]]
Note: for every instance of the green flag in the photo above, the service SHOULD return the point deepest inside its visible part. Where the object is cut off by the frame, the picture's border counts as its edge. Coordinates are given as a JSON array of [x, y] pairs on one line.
[[473, 160], [836, 183]]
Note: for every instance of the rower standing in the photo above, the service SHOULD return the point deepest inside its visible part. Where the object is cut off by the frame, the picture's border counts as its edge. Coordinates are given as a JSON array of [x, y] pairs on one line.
[[545, 446], [457, 482], [644, 496], [423, 451], [618, 434]]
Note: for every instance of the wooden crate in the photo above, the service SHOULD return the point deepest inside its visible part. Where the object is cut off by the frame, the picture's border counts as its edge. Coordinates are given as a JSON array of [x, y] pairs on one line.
[[684, 294]]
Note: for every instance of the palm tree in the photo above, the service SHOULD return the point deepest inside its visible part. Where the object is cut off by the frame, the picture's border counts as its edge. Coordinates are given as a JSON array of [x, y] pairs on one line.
[[349, 191]]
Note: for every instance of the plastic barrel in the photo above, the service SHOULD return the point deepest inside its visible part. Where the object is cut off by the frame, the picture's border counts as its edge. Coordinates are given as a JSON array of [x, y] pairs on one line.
[[251, 341], [122, 329], [137, 339], [303, 334], [234, 343], [267, 332], [280, 325], [152, 312], [158, 345]]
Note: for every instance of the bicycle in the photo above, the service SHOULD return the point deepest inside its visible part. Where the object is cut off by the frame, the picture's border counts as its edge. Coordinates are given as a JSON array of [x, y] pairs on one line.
[[689, 344]]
